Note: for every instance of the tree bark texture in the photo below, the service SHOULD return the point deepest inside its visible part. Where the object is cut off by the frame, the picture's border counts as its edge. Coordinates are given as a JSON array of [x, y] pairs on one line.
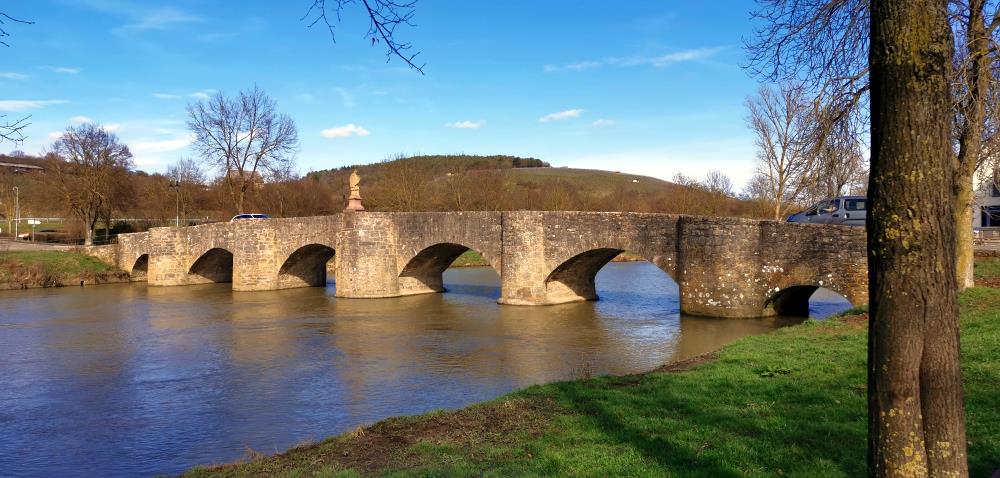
[[916, 414]]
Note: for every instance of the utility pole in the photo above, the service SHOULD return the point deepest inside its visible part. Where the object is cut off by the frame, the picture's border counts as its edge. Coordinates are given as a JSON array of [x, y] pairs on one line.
[[17, 209], [175, 184]]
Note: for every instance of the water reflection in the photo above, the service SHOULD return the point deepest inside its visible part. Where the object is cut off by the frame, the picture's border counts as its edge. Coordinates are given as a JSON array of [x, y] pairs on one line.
[[124, 380]]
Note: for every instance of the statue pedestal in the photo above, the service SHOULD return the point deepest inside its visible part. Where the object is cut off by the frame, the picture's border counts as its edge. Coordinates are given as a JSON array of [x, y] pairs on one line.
[[354, 204]]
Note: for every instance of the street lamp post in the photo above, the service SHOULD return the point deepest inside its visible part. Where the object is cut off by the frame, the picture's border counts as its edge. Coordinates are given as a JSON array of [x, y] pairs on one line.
[[175, 184], [17, 209]]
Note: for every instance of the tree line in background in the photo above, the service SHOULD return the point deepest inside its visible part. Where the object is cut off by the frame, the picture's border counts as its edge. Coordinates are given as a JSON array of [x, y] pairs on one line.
[[244, 163]]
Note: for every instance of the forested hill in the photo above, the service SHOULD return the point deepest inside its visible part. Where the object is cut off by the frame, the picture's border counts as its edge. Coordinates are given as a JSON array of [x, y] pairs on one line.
[[466, 182]]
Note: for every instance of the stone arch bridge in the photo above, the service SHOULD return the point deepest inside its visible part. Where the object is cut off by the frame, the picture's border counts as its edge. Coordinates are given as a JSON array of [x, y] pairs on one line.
[[725, 267]]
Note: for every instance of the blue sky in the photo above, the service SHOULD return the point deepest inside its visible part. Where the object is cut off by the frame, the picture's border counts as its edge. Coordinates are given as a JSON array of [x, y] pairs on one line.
[[654, 88]]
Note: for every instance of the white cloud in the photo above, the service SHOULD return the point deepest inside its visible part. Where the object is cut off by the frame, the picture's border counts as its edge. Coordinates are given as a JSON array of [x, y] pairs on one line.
[[9, 75], [345, 131], [199, 95], [306, 97], [66, 70], [603, 122], [203, 94], [54, 135], [145, 148], [562, 115], [660, 61], [24, 105], [112, 127], [157, 19], [467, 124], [80, 120]]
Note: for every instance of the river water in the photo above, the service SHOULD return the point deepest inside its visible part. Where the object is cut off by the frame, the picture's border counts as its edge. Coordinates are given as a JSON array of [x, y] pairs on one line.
[[125, 380]]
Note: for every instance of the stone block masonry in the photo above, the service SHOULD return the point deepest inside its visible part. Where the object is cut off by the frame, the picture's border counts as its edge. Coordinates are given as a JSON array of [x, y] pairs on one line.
[[724, 267]]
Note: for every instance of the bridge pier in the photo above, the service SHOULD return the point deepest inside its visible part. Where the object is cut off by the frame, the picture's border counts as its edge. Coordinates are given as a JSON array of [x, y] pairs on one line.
[[366, 257]]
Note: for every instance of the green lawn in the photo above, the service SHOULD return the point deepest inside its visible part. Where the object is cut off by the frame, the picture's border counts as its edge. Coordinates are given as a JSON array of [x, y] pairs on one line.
[[987, 267], [470, 258], [789, 403], [45, 268]]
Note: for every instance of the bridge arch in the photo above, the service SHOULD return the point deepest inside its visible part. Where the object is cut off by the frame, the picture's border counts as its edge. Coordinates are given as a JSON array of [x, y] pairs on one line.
[[794, 300], [574, 278], [306, 267], [140, 268], [214, 265], [424, 272]]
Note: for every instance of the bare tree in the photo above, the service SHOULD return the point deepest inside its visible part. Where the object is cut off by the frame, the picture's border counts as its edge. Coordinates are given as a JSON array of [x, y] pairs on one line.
[[384, 17], [243, 138], [841, 167], [780, 120], [186, 177], [90, 170], [718, 182]]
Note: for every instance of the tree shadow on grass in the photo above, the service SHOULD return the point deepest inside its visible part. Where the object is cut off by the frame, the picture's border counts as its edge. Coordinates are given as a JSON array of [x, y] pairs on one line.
[[722, 434]]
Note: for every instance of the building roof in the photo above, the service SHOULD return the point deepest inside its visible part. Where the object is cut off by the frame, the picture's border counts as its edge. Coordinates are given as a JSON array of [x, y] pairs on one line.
[[21, 166]]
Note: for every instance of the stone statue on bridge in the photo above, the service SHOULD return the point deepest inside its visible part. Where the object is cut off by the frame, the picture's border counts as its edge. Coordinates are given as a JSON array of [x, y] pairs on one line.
[[354, 200]]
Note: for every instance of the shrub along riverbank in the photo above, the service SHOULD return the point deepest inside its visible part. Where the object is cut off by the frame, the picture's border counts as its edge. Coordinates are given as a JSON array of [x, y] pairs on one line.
[[787, 403], [30, 269]]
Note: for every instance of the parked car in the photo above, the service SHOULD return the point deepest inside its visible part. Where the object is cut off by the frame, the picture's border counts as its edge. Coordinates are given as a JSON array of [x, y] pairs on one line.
[[843, 210], [240, 217]]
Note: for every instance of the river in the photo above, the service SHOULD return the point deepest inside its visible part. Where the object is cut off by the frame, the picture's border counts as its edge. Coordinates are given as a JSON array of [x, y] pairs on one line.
[[129, 380]]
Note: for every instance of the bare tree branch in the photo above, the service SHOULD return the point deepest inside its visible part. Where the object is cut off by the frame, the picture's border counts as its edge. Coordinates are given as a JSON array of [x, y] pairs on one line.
[[4, 18], [11, 130], [384, 17]]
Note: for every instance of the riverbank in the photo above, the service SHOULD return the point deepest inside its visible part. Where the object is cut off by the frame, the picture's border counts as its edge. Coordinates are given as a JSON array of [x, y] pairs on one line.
[[32, 269], [787, 403]]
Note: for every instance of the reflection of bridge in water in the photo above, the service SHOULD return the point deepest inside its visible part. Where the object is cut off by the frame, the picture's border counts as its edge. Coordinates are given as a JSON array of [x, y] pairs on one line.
[[725, 267]]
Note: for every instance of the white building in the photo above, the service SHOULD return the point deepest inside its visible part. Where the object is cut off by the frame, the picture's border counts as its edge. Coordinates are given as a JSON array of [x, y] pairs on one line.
[[987, 206]]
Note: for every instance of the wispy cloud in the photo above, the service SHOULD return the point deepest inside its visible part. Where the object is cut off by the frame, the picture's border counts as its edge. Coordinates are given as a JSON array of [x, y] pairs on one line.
[[467, 124], [346, 97], [199, 95], [562, 115], [80, 120], [660, 61], [162, 18], [603, 122], [54, 135], [65, 70], [112, 127], [25, 105], [203, 94], [9, 75], [345, 131], [142, 148]]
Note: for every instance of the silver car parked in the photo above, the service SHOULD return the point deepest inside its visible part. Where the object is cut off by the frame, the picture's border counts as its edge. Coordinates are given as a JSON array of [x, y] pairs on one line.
[[843, 210]]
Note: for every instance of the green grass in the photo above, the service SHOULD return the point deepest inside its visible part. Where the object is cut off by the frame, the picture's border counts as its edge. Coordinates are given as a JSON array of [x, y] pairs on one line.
[[50, 267], [470, 258], [789, 403], [987, 267]]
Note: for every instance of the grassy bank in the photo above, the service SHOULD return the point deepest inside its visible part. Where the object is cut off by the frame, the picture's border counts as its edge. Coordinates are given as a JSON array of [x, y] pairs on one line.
[[28, 269], [789, 403]]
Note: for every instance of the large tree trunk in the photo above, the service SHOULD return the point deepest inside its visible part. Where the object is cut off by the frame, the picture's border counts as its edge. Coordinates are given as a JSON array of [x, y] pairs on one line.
[[915, 411], [970, 140]]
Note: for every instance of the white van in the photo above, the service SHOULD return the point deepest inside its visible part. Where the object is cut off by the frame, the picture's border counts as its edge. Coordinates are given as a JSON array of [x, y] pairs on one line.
[[843, 210]]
